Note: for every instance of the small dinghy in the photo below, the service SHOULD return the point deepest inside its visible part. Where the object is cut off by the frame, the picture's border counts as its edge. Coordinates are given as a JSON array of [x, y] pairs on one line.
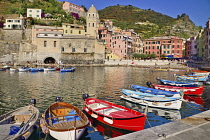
[[64, 121], [113, 115], [19, 123]]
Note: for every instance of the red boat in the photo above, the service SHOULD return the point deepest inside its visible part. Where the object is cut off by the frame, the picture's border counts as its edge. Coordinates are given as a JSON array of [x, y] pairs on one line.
[[113, 115], [187, 90]]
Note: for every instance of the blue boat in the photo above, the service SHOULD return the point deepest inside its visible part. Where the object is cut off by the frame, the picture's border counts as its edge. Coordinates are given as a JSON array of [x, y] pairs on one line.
[[191, 78], [147, 96], [3, 69], [156, 91], [179, 84], [33, 70], [67, 70]]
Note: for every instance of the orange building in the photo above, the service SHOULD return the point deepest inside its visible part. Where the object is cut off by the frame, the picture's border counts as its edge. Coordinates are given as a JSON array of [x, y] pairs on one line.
[[169, 45]]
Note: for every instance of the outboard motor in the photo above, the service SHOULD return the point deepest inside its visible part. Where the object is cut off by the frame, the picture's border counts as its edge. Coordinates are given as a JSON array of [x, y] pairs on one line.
[[58, 99], [158, 79], [85, 96], [149, 84], [32, 102]]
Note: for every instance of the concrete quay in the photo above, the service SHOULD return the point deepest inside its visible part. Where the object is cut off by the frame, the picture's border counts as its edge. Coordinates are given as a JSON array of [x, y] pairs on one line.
[[191, 128]]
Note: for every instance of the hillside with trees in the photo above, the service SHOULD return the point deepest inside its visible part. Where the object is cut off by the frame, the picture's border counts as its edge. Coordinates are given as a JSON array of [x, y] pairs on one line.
[[149, 23], [51, 8]]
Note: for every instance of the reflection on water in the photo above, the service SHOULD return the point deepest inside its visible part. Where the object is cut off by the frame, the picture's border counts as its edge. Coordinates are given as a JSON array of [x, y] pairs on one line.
[[16, 89]]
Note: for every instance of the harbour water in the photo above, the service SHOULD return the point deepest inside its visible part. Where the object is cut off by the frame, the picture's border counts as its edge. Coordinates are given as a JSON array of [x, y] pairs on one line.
[[16, 89]]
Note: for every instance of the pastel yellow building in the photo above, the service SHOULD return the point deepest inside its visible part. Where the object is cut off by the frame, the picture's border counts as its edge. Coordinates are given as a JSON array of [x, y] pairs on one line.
[[73, 29]]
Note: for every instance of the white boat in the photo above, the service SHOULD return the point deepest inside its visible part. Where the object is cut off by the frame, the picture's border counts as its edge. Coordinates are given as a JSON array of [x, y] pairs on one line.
[[13, 70], [176, 104], [49, 69], [23, 69], [19, 123], [169, 114]]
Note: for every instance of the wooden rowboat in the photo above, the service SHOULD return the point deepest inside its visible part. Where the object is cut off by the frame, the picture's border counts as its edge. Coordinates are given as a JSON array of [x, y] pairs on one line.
[[113, 115], [19, 123], [64, 121]]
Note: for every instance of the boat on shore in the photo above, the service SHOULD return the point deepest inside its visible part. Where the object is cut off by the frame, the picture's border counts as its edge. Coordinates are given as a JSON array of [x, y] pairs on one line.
[[64, 121], [19, 123], [113, 115]]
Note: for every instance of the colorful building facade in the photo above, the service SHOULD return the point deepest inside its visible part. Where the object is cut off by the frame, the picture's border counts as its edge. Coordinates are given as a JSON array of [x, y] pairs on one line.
[[169, 45]]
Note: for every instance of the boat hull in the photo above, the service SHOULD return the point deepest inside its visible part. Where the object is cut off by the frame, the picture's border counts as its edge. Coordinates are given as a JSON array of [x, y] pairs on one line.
[[67, 135], [166, 105], [186, 90]]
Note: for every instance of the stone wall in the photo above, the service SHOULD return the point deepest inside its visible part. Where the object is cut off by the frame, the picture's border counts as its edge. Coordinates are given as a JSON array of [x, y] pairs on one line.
[[8, 51], [11, 35]]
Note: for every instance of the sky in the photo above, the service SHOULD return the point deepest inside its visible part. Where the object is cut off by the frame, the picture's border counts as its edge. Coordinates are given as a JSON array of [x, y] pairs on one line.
[[197, 10]]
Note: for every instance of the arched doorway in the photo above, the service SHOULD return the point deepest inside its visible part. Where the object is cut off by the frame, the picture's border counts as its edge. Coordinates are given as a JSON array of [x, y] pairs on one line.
[[49, 60]]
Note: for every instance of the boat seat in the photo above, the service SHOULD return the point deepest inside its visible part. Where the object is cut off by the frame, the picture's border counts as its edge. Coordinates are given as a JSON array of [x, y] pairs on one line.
[[21, 118], [107, 107]]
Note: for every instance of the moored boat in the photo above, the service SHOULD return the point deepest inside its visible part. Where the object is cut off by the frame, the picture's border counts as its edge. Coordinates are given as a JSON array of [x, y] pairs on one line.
[[186, 90], [49, 69], [191, 78], [13, 70], [67, 70], [156, 91], [19, 123], [180, 84], [33, 70], [3, 69], [176, 104], [113, 115], [148, 97], [65, 121], [23, 69]]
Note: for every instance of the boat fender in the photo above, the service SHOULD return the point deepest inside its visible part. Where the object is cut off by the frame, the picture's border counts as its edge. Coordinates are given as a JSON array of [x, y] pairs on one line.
[[25, 136], [94, 115], [108, 120], [168, 104]]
